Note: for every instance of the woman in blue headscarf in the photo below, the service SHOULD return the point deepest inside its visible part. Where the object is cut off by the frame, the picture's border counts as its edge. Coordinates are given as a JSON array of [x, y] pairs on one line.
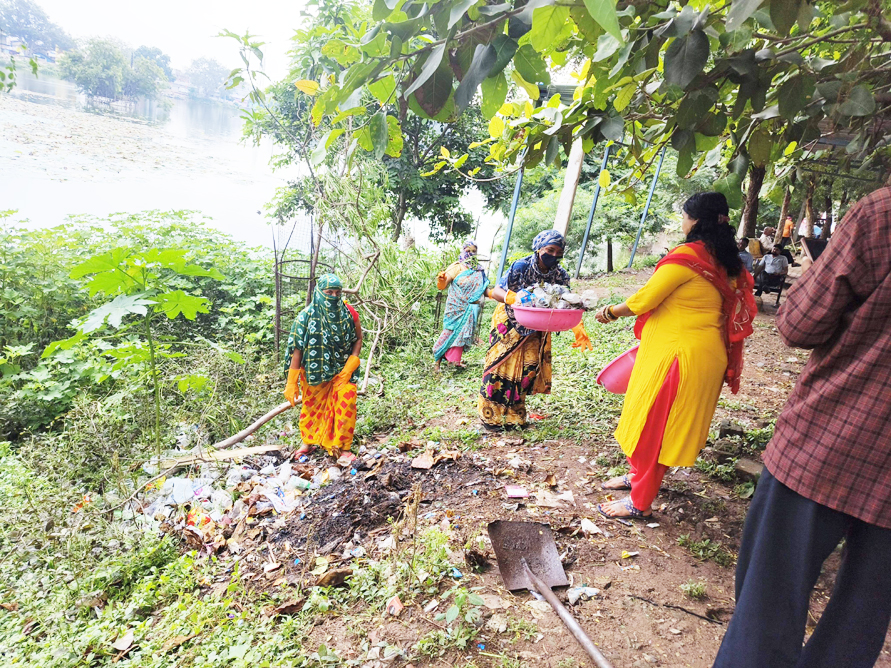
[[518, 362], [467, 284]]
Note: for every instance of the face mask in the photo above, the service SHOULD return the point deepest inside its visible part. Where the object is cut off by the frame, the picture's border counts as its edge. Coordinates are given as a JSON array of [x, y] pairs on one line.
[[549, 261]]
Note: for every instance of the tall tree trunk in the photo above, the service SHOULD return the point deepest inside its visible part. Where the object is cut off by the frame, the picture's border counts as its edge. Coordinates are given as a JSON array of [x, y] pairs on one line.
[[750, 211], [609, 254], [827, 204], [400, 216], [784, 211], [809, 210]]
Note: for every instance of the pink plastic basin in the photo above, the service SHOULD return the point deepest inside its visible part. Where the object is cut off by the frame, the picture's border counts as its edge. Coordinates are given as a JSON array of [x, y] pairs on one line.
[[615, 375], [548, 319]]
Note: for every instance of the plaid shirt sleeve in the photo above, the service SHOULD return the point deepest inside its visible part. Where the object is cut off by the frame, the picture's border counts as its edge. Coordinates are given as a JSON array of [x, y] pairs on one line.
[[816, 305]]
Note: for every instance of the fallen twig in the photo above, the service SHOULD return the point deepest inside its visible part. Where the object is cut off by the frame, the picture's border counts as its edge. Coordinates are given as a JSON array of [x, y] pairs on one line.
[[677, 607]]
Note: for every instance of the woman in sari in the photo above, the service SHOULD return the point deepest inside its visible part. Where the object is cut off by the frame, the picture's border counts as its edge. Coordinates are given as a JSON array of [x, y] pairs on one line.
[[467, 284], [518, 362], [692, 317], [322, 363]]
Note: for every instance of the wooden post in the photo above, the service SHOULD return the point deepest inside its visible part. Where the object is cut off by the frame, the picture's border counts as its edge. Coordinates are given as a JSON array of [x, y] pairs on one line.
[[570, 184], [609, 254]]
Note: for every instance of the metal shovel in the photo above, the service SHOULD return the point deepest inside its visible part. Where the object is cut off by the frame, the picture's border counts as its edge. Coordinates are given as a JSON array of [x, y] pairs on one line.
[[528, 559]]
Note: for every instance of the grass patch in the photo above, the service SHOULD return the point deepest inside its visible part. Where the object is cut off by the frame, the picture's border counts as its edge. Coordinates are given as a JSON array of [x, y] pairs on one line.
[[693, 590], [707, 550]]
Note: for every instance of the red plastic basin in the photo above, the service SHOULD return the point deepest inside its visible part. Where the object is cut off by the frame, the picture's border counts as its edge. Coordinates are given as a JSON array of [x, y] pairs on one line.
[[548, 319], [615, 375]]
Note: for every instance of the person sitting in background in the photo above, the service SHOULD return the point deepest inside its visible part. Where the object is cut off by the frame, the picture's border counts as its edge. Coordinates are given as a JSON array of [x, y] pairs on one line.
[[744, 254], [818, 231], [755, 249], [770, 272], [766, 238]]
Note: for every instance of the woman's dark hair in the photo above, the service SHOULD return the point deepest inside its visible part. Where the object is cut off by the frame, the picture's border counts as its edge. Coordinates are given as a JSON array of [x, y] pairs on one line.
[[712, 227]]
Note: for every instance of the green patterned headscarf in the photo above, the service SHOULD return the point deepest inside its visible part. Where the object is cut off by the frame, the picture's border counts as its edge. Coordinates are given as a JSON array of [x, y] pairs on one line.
[[325, 332]]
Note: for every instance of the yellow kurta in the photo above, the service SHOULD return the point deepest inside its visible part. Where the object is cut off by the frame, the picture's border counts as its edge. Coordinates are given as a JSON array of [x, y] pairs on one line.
[[685, 326]]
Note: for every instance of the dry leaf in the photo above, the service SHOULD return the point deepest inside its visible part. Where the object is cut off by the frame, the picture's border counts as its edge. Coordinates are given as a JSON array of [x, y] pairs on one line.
[[423, 461], [176, 641], [334, 578], [290, 607], [124, 642]]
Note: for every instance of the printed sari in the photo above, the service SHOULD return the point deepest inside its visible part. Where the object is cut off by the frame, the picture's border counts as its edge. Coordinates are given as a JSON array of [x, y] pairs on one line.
[[516, 365], [461, 313], [518, 362], [325, 332]]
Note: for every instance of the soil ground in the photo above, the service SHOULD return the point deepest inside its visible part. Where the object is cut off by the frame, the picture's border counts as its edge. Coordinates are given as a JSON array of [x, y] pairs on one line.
[[641, 617]]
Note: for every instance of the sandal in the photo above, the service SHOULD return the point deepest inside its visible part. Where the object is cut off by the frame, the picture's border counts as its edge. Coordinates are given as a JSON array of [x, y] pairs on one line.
[[633, 513], [305, 450], [626, 484]]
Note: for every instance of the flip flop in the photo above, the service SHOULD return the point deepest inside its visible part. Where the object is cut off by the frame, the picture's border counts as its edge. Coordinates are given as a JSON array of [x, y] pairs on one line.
[[305, 450], [626, 484], [633, 513]]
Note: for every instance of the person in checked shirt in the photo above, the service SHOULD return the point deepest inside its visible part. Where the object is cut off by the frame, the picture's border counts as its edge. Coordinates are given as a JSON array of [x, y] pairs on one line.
[[827, 473]]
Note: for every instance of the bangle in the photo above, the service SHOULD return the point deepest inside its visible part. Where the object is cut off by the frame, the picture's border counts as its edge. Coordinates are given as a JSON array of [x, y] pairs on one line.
[[610, 314]]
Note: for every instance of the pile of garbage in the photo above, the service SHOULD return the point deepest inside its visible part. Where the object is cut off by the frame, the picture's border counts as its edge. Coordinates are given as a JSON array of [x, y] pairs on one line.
[[555, 296], [259, 498]]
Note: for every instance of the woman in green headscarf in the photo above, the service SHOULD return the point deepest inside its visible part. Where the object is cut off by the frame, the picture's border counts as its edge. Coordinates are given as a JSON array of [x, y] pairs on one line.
[[322, 363]]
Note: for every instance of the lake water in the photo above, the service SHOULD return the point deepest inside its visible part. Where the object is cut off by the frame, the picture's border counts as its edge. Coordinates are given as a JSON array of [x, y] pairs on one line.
[[60, 156]]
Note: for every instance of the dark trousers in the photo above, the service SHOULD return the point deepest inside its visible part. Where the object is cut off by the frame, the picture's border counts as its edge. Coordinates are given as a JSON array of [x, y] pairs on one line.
[[785, 542], [766, 281]]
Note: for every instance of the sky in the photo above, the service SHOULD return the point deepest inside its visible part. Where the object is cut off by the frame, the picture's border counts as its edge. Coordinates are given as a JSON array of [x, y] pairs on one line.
[[185, 29]]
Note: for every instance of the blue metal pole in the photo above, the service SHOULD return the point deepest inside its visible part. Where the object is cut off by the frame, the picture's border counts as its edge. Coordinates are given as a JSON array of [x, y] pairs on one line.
[[510, 224], [646, 210], [578, 267]]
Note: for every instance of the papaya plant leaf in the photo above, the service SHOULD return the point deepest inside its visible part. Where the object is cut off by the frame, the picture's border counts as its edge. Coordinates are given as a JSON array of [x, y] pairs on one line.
[[178, 302], [110, 261], [115, 311]]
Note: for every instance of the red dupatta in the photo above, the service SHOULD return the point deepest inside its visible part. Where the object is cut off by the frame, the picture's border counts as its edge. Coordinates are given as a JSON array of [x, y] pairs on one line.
[[739, 304]]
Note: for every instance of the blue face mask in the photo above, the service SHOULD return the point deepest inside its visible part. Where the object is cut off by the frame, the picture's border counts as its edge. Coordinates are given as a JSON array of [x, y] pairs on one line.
[[549, 261]]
